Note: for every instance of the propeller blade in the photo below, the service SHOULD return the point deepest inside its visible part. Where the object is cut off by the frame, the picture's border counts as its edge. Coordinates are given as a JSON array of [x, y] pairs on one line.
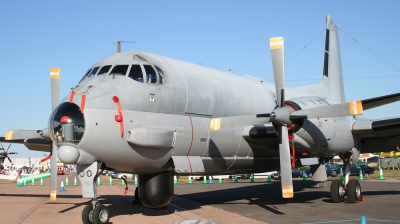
[[9, 160], [335, 110], [55, 92], [286, 166], [55, 86], [277, 55], [53, 173], [263, 115]]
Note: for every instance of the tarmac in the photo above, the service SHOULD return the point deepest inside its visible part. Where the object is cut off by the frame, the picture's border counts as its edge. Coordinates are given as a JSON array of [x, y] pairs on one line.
[[242, 202]]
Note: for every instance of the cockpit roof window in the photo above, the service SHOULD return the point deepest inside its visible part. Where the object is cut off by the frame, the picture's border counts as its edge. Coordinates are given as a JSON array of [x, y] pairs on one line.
[[94, 71], [104, 69], [119, 70], [161, 76], [86, 75], [151, 76], [136, 73]]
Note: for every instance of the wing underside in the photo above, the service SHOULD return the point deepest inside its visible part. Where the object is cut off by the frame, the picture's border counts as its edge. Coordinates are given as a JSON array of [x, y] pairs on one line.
[[381, 135]]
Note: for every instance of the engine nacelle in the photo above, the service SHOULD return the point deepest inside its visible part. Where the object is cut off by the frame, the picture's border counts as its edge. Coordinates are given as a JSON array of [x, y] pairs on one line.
[[320, 136]]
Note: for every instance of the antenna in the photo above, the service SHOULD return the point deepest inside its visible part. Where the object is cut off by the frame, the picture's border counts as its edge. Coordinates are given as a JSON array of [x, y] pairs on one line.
[[118, 45]]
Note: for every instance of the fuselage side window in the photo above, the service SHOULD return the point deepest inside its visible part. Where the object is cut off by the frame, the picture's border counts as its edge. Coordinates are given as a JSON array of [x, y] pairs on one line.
[[119, 70], [94, 71], [136, 73], [151, 76], [160, 75], [104, 69], [86, 75]]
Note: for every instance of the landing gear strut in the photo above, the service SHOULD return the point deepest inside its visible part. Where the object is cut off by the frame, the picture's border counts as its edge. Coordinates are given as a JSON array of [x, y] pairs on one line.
[[93, 212]]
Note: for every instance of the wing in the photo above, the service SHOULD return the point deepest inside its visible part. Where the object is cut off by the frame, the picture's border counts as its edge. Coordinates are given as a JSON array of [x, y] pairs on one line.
[[30, 138], [381, 135]]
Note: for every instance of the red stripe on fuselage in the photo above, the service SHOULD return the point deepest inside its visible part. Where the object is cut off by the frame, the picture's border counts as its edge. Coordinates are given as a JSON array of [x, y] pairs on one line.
[[191, 142]]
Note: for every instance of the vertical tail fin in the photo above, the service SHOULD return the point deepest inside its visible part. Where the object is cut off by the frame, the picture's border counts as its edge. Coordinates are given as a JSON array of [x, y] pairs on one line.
[[331, 86]]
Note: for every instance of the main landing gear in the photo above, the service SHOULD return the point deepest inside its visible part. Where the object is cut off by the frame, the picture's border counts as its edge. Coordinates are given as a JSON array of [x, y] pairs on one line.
[[346, 190], [94, 212]]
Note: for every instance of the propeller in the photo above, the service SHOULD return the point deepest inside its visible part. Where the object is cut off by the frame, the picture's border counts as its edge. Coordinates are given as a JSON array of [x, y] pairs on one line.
[[6, 153], [55, 94], [282, 116]]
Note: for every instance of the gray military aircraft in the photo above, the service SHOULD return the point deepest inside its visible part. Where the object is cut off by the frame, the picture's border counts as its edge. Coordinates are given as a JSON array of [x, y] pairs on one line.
[[142, 113]]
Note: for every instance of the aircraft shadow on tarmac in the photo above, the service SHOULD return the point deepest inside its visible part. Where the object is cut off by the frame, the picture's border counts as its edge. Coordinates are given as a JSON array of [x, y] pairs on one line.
[[266, 196], [269, 195]]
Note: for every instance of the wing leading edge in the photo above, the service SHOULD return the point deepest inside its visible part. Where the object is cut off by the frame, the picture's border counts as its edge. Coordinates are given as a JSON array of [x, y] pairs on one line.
[[30, 138]]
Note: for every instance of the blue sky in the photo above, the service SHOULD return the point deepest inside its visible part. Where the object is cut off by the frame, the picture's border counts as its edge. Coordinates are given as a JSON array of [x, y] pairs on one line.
[[73, 35]]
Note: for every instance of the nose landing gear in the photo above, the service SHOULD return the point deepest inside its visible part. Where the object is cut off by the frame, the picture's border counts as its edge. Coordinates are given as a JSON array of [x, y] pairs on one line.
[[94, 212]]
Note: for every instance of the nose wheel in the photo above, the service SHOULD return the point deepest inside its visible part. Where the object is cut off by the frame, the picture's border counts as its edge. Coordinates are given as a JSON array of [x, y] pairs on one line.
[[98, 215]]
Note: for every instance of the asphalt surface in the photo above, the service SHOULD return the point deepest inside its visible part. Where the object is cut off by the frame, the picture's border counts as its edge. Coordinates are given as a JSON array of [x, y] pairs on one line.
[[258, 202]]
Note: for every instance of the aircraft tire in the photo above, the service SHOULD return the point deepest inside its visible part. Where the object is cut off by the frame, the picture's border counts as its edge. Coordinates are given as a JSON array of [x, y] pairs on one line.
[[87, 214], [100, 214], [337, 191], [354, 190]]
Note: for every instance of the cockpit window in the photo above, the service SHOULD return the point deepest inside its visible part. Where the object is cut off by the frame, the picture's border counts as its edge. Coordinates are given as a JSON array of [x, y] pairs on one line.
[[86, 75], [136, 73], [151, 76], [160, 75], [104, 70], [94, 71], [119, 70]]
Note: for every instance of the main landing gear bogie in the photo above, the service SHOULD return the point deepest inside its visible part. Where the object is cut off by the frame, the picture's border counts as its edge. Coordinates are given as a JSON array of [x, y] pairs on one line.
[[351, 193]]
